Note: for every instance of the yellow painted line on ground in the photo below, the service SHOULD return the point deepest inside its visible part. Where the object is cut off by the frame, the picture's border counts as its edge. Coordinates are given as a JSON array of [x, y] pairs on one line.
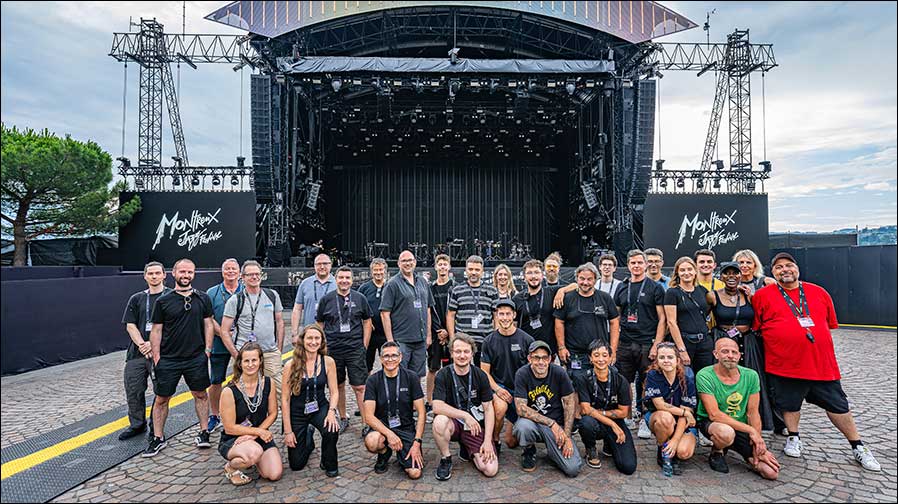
[[20, 464], [869, 326]]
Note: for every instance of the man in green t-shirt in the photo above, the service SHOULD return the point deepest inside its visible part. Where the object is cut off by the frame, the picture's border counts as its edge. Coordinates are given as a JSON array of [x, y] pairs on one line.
[[728, 411]]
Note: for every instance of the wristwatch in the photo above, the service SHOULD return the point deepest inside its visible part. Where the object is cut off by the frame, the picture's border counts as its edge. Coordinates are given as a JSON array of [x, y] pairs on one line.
[[681, 349], [419, 440]]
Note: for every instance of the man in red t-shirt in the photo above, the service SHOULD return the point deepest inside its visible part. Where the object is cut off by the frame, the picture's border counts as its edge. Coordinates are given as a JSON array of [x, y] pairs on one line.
[[795, 319]]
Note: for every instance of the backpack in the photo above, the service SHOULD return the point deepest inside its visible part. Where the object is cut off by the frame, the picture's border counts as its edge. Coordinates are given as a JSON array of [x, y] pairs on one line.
[[269, 293]]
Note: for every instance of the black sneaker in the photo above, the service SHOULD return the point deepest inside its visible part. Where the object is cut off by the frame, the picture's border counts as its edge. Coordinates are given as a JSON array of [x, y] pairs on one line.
[[677, 469], [383, 461], [358, 413], [528, 459], [463, 454], [592, 458], [659, 458], [605, 450], [156, 445], [444, 470], [718, 462], [202, 440], [576, 428], [365, 431], [131, 432]]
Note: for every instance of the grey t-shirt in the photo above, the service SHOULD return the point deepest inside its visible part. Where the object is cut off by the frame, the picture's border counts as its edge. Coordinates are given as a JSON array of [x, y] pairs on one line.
[[408, 307], [262, 325]]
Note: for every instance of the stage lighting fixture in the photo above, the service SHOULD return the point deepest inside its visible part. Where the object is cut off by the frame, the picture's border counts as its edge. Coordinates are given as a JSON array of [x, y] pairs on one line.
[[337, 84], [681, 182], [241, 161], [700, 183], [126, 163], [176, 181], [494, 85], [716, 184], [177, 160], [570, 87], [216, 180], [235, 180], [766, 166], [453, 55], [454, 86], [663, 183], [718, 164], [138, 182], [659, 164], [195, 180]]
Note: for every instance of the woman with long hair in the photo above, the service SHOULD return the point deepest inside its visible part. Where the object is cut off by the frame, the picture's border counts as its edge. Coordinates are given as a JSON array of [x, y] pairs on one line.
[[503, 281], [248, 408], [686, 307], [751, 271], [305, 405], [669, 404]]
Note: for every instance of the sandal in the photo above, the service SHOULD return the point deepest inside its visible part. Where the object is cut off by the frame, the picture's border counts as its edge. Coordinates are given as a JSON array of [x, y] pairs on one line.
[[236, 476]]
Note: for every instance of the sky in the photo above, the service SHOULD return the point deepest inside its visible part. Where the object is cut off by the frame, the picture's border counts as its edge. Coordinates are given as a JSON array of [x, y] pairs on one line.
[[828, 113]]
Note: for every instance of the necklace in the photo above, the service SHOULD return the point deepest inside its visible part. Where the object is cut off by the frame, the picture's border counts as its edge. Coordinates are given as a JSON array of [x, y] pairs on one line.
[[255, 401]]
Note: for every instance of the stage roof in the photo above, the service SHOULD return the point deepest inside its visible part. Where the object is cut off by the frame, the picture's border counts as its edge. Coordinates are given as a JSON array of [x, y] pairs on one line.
[[634, 22]]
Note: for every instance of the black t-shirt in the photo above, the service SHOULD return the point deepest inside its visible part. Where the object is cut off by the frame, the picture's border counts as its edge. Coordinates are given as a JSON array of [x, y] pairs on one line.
[[373, 294], [408, 306], [603, 395], [505, 355], [692, 309], [444, 388], [440, 295], [544, 394], [586, 319], [529, 309], [138, 312], [183, 331], [643, 305], [334, 309], [409, 392]]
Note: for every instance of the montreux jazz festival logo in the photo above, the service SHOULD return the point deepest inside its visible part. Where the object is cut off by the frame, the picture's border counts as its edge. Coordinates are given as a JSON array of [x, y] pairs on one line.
[[192, 231], [712, 231]]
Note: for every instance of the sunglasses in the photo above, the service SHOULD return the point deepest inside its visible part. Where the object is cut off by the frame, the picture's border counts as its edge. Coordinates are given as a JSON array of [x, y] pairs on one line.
[[187, 304]]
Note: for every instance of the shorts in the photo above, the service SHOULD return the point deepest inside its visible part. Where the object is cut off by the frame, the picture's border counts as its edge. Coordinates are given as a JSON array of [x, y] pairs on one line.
[[511, 414], [789, 393], [741, 444], [437, 355], [169, 371], [225, 445], [647, 415], [351, 362], [218, 368], [471, 442], [408, 438]]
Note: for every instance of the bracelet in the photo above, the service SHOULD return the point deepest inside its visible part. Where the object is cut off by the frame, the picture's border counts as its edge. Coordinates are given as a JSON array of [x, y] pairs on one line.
[[288, 433]]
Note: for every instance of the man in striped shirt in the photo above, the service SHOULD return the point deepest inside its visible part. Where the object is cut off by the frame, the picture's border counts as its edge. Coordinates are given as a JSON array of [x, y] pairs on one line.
[[471, 305]]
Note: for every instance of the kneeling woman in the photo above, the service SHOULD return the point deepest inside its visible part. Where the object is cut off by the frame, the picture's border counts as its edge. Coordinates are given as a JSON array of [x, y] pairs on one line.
[[670, 402], [248, 408], [305, 404]]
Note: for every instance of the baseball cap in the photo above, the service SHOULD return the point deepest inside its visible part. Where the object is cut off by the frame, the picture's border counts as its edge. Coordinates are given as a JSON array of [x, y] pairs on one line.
[[728, 265], [536, 345], [782, 255], [505, 302]]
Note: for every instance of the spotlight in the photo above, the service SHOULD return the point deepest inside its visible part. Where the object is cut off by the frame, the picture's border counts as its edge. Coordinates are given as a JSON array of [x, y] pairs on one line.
[[195, 180], [700, 183], [750, 186], [659, 164], [453, 55], [235, 180], [766, 165], [570, 87], [454, 86], [716, 184], [138, 182], [216, 180], [681, 182], [176, 181], [241, 161], [718, 164], [337, 84], [663, 183]]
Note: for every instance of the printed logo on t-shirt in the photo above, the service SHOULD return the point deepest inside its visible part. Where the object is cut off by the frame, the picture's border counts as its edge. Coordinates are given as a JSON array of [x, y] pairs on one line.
[[734, 403], [539, 398]]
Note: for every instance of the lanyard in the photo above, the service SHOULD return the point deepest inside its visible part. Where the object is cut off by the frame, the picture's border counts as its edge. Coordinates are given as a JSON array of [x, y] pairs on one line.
[[801, 311], [417, 295], [688, 295], [476, 298], [607, 397], [610, 287], [595, 305], [633, 307], [252, 309], [314, 380], [387, 390], [539, 305], [435, 307], [458, 386], [315, 287], [147, 310], [347, 302]]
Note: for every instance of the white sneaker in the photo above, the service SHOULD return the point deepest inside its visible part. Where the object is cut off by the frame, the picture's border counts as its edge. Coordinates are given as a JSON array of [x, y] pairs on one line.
[[630, 423], [703, 441], [793, 447], [644, 432], [866, 459]]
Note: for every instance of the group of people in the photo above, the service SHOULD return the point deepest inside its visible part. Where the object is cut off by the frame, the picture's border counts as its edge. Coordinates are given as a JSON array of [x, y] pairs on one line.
[[713, 362]]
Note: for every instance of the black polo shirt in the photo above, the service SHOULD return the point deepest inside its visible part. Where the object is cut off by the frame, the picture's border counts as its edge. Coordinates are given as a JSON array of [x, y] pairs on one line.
[[353, 310], [408, 321]]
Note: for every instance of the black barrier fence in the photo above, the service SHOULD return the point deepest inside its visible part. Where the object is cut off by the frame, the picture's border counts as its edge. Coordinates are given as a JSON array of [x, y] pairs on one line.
[[861, 280], [65, 314]]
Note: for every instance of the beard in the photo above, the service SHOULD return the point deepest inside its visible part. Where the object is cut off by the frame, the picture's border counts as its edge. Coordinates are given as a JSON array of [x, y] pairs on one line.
[[184, 281]]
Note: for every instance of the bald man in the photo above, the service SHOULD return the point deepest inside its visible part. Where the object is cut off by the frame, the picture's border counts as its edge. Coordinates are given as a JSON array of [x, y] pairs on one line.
[[405, 313], [310, 292]]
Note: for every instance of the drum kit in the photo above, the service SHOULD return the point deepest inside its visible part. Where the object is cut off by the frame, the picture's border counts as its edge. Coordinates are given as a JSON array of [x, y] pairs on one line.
[[489, 250]]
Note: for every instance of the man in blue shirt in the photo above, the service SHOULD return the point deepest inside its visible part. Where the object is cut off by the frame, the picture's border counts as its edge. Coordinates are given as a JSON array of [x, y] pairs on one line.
[[310, 292], [218, 360]]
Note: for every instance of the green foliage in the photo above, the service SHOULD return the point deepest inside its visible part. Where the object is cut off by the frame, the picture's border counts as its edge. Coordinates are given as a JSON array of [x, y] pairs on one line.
[[58, 186]]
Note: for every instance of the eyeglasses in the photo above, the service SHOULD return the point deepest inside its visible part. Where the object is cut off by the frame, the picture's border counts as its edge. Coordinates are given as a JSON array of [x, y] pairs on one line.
[[389, 356], [252, 275], [187, 305], [550, 267], [540, 358]]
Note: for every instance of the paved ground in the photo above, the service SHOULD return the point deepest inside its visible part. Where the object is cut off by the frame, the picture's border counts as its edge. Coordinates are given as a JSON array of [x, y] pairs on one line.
[[44, 400]]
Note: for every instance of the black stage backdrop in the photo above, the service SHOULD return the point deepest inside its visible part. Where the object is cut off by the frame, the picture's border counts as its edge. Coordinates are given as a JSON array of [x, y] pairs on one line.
[[680, 224], [403, 203], [207, 227]]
